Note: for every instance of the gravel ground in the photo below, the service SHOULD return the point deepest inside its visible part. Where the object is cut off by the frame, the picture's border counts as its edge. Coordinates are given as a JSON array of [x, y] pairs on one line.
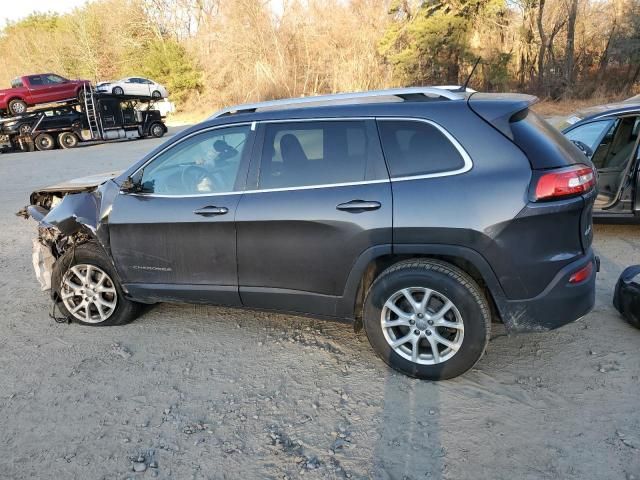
[[202, 392]]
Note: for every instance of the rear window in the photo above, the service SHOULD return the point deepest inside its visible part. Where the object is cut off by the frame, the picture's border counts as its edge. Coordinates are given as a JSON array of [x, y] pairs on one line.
[[417, 148], [36, 80], [314, 153], [544, 146]]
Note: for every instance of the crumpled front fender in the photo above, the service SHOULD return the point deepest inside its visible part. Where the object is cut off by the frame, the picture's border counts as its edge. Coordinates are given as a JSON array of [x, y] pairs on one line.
[[74, 212]]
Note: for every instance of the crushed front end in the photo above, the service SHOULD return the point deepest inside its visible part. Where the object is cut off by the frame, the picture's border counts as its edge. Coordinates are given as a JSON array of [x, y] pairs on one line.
[[68, 215]]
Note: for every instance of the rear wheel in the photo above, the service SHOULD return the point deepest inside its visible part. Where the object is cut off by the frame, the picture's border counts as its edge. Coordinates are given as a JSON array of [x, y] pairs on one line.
[[117, 91], [68, 140], [17, 107], [89, 290], [44, 142], [427, 319]]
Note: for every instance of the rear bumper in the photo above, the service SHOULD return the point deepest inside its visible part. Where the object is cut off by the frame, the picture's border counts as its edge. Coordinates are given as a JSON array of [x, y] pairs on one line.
[[559, 303]]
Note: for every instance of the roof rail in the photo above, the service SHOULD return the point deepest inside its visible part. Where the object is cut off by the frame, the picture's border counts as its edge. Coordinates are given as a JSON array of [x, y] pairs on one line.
[[401, 94]]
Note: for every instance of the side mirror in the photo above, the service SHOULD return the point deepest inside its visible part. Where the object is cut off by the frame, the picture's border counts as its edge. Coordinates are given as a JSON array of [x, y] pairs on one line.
[[131, 185], [584, 148]]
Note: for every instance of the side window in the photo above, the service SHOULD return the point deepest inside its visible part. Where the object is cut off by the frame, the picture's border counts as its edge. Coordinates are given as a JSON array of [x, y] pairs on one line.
[[298, 154], [203, 164], [36, 81], [590, 133], [16, 83], [412, 148], [54, 79]]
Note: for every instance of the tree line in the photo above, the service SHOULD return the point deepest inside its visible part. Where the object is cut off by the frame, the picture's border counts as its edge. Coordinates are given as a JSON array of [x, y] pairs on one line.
[[217, 52]]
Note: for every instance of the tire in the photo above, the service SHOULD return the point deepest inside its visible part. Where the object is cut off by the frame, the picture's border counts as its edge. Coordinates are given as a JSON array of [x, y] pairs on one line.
[[156, 95], [17, 107], [69, 270], [117, 91], [44, 142], [468, 320], [24, 129], [68, 140], [156, 130]]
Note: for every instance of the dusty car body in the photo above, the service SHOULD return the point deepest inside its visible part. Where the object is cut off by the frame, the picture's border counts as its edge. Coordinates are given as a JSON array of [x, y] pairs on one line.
[[346, 206]]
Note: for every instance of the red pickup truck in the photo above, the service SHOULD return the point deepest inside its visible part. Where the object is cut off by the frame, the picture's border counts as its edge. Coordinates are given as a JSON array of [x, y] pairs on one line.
[[35, 89]]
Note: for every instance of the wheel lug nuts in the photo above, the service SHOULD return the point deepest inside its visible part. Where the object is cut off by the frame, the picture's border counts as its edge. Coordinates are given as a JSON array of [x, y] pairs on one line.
[[412, 322], [428, 332], [430, 322], [416, 331], [420, 315]]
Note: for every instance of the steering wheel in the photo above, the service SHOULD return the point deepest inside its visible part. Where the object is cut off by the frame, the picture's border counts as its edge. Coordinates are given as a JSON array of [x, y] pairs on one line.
[[584, 148], [192, 175]]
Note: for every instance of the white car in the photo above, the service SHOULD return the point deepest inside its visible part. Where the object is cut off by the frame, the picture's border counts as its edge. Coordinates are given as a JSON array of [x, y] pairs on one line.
[[134, 86]]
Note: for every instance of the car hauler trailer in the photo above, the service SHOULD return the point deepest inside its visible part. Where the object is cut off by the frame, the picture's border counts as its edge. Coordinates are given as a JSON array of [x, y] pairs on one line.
[[93, 117]]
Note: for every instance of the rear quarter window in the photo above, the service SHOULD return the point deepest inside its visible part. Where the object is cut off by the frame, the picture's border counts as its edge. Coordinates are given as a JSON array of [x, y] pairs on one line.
[[545, 146], [16, 83], [413, 147]]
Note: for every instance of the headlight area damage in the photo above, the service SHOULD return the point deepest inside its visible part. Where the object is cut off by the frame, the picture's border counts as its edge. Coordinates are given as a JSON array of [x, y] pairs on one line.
[[68, 215]]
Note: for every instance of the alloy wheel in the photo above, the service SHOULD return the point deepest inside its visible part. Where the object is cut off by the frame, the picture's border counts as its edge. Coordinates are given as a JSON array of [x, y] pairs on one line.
[[88, 293], [422, 325]]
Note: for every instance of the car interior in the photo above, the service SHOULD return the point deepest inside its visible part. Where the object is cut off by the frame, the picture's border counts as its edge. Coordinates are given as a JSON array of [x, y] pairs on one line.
[[613, 158], [206, 164], [316, 154]]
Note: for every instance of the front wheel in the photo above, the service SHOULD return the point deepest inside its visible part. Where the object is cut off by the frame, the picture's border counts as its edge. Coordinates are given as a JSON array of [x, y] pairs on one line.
[[156, 95], [88, 288], [157, 130], [117, 91], [427, 319]]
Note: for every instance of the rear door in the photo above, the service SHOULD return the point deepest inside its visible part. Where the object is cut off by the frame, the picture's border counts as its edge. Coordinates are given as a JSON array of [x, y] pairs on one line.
[[38, 89], [177, 238], [320, 197]]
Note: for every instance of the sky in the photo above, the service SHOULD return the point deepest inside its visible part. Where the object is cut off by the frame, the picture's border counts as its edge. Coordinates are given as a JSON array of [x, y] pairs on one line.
[[15, 10]]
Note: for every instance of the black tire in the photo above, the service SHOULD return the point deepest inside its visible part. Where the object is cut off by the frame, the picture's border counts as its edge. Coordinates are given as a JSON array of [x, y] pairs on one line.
[[445, 280], [157, 130], [24, 129], [44, 142], [68, 140], [156, 95], [91, 253], [17, 107], [117, 91]]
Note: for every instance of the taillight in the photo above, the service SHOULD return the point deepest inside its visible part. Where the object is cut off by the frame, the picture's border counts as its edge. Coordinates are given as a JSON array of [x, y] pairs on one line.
[[565, 182], [582, 274]]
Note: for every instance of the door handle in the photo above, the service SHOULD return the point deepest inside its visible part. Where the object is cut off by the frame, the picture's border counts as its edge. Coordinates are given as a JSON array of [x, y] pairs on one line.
[[357, 206], [211, 210]]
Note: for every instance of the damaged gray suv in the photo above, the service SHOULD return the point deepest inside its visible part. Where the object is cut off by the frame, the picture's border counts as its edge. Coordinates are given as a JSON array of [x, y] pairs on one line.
[[420, 214]]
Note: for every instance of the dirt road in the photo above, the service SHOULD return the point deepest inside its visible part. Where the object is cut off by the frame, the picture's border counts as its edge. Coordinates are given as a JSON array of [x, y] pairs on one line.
[[212, 393]]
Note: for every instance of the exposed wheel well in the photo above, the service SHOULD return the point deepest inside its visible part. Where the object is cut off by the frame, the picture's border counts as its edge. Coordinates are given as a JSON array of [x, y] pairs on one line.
[[379, 264]]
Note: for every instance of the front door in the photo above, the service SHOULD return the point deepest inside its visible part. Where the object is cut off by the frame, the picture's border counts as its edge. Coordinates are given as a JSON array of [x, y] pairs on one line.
[[176, 240], [612, 145], [59, 88], [321, 197]]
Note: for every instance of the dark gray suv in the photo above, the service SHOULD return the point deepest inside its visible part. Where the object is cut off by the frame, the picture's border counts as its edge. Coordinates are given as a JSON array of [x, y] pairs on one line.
[[421, 214]]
